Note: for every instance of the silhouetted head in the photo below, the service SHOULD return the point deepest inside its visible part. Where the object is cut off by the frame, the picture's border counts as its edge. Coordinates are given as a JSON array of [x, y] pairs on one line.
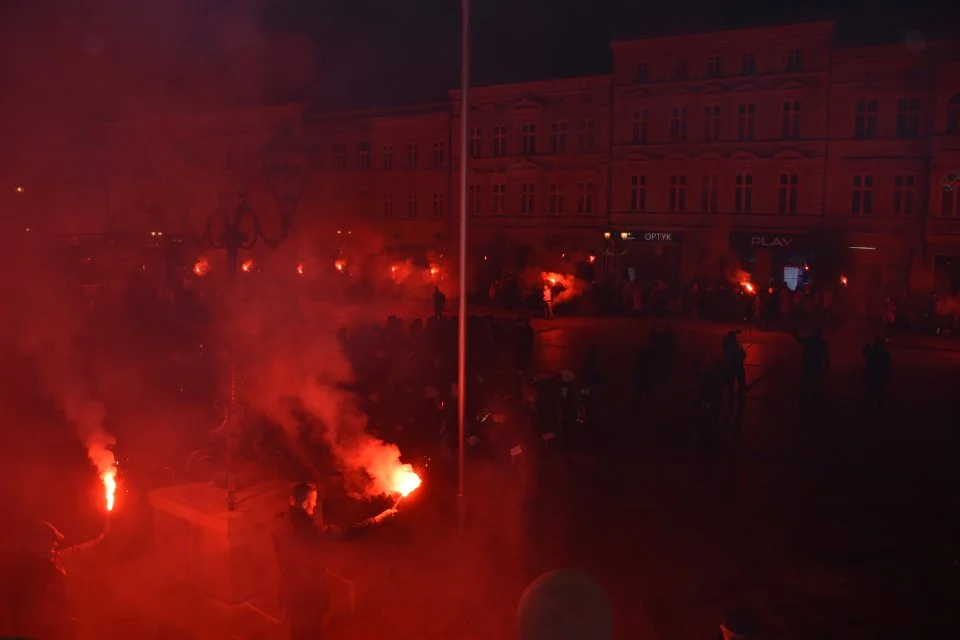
[[304, 497], [41, 540], [564, 605]]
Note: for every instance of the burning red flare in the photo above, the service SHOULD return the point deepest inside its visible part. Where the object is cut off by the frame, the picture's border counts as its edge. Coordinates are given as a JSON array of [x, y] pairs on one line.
[[843, 281], [109, 479], [434, 271], [748, 287], [591, 259], [406, 481], [201, 267], [340, 265], [300, 269], [247, 266], [554, 279]]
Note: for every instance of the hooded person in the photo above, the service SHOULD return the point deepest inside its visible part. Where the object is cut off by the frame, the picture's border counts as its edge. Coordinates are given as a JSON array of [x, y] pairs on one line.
[[299, 543], [34, 586]]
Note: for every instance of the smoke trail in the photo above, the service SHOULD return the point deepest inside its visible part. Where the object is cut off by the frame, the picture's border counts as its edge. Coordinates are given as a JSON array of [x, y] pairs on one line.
[[565, 288], [47, 326], [296, 366]]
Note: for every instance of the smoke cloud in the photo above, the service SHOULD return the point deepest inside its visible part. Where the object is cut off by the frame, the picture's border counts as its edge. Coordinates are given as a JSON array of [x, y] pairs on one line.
[[120, 62], [298, 377], [44, 325], [565, 287]]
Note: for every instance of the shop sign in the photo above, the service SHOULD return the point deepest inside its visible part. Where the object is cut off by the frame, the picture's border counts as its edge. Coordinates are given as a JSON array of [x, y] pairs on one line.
[[655, 236], [775, 241]]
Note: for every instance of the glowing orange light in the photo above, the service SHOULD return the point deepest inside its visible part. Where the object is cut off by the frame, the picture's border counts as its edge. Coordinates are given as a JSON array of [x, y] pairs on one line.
[[405, 481], [340, 265], [393, 269], [201, 267], [592, 259], [300, 269], [19, 189], [806, 267], [247, 266], [434, 271], [843, 281], [567, 282], [484, 258], [109, 479], [748, 287], [770, 290]]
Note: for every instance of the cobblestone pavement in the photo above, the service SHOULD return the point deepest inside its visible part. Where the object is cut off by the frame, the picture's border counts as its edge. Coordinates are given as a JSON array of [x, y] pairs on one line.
[[818, 516]]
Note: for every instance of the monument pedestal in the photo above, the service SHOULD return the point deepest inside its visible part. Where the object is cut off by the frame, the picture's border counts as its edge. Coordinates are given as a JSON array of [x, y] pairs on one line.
[[227, 555]]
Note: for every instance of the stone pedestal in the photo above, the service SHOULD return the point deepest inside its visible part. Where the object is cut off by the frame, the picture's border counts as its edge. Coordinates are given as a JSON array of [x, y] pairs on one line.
[[227, 555]]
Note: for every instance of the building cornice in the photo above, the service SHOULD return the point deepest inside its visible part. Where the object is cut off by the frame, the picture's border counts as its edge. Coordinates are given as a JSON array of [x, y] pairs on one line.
[[823, 29], [540, 87]]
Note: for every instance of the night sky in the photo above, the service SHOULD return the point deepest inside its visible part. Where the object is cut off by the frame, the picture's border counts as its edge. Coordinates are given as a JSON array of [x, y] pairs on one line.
[[76, 59], [410, 48]]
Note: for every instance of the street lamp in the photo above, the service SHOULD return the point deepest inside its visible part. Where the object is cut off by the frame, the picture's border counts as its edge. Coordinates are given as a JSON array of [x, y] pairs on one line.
[[285, 163], [951, 181]]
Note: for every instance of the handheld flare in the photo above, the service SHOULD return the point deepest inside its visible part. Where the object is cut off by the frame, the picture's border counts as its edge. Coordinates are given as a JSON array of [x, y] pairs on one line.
[[109, 479]]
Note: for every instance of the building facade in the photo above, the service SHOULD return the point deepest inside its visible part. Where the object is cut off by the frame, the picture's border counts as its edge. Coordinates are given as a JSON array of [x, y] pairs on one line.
[[538, 169], [170, 173], [760, 149], [387, 171], [720, 139]]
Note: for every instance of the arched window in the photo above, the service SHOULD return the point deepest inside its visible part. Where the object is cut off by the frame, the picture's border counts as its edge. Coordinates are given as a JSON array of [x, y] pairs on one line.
[[950, 196], [953, 115]]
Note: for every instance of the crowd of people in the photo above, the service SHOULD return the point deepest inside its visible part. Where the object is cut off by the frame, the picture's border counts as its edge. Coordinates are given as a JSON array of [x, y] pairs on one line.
[[407, 376]]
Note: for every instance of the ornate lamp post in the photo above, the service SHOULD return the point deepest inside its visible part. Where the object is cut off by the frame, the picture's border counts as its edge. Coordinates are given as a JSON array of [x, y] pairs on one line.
[[951, 181], [285, 163], [614, 248]]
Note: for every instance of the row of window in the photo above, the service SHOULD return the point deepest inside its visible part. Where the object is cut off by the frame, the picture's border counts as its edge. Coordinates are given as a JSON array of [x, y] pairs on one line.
[[586, 139], [496, 202], [861, 202], [412, 158], [864, 125], [413, 205], [864, 128], [903, 202], [713, 67]]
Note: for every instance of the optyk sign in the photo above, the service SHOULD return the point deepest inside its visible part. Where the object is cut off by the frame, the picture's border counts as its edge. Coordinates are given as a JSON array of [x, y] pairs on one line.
[[655, 236], [658, 237]]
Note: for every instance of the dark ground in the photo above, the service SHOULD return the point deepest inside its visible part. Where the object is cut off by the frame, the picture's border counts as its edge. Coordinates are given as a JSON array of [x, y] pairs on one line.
[[821, 517]]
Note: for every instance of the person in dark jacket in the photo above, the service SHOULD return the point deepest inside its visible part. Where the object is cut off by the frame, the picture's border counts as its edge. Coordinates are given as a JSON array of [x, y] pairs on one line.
[[34, 587], [877, 372], [734, 356], [439, 302], [815, 360], [299, 544]]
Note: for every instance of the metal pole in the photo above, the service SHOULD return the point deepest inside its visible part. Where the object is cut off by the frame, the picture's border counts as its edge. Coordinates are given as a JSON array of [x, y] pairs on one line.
[[233, 263], [462, 313]]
